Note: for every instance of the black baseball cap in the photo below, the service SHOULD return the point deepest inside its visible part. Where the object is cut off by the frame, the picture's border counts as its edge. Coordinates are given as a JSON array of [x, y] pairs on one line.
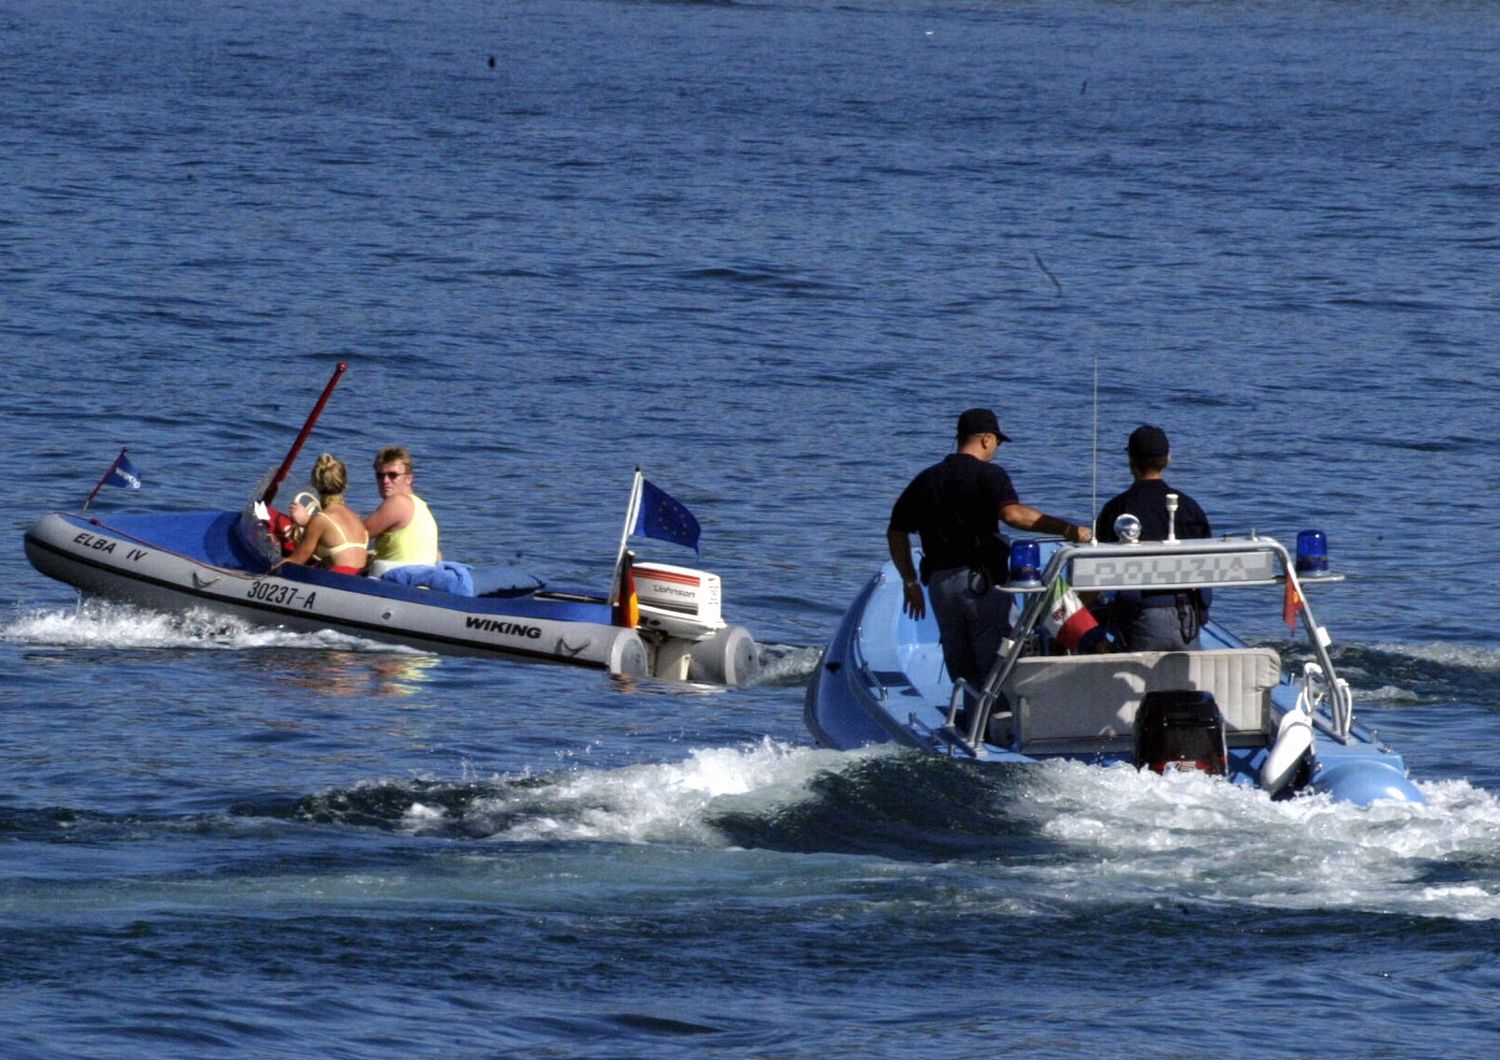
[[1148, 441], [979, 421]]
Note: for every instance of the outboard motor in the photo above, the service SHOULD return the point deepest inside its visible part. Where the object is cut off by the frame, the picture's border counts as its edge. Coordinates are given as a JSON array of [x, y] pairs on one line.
[[1180, 729]]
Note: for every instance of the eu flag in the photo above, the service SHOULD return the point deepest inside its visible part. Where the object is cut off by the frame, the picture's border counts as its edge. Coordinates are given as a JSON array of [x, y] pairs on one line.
[[123, 475], [665, 518]]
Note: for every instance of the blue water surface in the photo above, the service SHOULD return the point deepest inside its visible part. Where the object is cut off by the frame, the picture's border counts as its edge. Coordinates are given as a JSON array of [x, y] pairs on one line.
[[767, 252]]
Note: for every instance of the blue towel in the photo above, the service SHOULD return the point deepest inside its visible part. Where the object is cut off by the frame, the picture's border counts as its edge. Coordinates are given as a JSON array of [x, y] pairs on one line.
[[447, 577], [497, 579]]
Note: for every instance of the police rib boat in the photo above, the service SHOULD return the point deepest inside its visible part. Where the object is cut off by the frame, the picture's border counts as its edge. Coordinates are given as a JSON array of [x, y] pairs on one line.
[[218, 561], [1225, 707]]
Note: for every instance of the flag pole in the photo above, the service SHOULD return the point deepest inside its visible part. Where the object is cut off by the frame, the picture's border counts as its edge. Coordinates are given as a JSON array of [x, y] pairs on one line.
[[291, 457], [632, 512], [105, 479]]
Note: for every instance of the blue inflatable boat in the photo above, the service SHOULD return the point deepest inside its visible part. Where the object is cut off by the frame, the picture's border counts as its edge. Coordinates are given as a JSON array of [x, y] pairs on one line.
[[217, 561], [1226, 706]]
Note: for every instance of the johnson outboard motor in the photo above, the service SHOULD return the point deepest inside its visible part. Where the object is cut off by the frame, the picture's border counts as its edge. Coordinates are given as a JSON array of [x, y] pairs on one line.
[[1180, 729]]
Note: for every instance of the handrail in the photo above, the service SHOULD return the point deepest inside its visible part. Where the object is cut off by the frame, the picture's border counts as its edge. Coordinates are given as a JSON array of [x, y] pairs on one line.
[[1137, 573]]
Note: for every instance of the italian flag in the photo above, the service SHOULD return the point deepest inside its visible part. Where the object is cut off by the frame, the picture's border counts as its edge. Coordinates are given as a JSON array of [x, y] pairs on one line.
[[1069, 622]]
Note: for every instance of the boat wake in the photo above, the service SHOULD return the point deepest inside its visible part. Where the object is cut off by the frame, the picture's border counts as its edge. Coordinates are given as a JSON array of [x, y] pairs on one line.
[[1059, 837], [660, 803], [103, 625], [786, 665], [1135, 836], [1402, 674]]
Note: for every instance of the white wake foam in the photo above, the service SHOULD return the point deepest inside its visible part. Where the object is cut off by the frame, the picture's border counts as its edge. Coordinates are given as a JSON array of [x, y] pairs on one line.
[[1188, 835], [1474, 657], [665, 803], [1122, 835], [102, 625], [786, 663]]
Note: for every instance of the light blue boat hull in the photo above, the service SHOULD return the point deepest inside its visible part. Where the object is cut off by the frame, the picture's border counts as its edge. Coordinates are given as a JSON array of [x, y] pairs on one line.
[[882, 680]]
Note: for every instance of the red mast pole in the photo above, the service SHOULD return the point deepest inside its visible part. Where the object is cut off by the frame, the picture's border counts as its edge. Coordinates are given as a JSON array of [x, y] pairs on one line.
[[105, 479], [291, 457]]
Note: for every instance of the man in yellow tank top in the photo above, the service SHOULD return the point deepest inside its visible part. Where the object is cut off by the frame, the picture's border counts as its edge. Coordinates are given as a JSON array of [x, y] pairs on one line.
[[402, 528]]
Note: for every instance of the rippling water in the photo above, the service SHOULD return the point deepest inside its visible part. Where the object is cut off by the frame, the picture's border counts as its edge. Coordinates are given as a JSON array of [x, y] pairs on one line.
[[767, 252]]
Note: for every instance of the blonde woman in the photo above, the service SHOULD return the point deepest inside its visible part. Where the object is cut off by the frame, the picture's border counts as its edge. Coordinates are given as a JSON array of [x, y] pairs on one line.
[[333, 533]]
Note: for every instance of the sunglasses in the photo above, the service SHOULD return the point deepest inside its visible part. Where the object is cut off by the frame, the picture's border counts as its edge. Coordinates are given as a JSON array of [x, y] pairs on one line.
[[390, 474]]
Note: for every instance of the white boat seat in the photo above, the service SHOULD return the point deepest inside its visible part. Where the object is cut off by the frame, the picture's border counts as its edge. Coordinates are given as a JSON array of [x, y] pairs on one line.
[[1077, 703]]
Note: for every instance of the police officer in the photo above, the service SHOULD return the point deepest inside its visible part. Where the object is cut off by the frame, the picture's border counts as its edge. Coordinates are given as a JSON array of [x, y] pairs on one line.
[[1155, 621], [955, 506]]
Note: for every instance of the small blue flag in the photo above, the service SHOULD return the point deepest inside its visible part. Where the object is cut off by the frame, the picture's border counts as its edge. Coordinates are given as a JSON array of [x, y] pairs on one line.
[[123, 474], [665, 518]]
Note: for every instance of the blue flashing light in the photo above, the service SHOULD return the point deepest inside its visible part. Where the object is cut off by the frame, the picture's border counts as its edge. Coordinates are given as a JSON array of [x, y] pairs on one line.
[[1025, 558], [1312, 552]]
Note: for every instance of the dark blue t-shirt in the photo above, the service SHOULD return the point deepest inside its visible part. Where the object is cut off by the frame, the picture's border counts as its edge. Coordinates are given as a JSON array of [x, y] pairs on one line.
[[1146, 499], [954, 506]]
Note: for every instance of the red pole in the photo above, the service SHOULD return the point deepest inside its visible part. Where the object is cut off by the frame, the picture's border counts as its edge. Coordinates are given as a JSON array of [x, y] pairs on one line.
[[291, 457], [105, 479]]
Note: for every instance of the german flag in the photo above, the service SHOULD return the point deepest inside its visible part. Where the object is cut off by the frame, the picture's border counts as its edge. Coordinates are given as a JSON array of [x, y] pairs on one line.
[[627, 611]]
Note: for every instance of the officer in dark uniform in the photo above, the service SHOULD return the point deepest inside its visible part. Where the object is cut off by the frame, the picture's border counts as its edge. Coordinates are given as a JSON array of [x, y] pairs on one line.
[[1155, 621], [955, 507]]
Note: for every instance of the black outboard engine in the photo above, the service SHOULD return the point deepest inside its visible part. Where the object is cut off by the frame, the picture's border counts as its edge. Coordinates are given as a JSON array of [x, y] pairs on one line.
[[1180, 729]]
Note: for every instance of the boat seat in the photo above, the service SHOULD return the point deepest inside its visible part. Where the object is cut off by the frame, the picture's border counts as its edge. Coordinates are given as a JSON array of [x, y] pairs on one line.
[[1074, 704]]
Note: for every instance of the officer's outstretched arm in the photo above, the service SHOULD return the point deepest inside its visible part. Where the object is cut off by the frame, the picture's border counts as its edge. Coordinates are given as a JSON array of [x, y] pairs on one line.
[[1023, 517]]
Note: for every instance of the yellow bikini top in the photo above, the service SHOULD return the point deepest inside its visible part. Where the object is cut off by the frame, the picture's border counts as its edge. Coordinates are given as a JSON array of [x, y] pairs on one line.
[[326, 551]]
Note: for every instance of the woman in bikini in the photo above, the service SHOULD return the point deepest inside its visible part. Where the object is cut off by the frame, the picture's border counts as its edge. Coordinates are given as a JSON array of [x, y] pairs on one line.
[[333, 533]]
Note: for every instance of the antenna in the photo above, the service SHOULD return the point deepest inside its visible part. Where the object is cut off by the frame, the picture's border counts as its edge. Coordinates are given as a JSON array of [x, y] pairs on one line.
[[1094, 490]]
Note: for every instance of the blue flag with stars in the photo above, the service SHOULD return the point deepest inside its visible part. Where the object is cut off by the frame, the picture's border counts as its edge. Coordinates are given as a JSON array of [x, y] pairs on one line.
[[666, 518]]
